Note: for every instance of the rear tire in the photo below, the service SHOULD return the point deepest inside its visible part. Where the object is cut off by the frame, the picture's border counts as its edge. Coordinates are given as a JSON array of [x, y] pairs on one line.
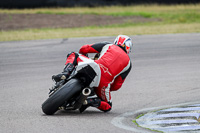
[[67, 91]]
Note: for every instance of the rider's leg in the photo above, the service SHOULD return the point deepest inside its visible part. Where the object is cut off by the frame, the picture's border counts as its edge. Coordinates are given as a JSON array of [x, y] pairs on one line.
[[70, 64], [103, 93], [96, 102], [105, 106], [102, 102], [93, 102]]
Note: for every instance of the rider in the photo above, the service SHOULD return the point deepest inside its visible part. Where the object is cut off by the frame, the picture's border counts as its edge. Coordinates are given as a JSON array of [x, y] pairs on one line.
[[114, 64]]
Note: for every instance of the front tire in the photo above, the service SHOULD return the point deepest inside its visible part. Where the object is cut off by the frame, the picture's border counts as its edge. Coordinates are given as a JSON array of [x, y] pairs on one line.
[[67, 91]]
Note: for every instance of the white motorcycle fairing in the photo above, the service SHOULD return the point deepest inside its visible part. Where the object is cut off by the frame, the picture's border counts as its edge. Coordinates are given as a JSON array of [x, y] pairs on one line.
[[95, 67]]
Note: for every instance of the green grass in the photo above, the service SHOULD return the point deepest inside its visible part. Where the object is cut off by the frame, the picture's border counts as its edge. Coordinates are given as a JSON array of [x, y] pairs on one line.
[[173, 19], [33, 34], [140, 115]]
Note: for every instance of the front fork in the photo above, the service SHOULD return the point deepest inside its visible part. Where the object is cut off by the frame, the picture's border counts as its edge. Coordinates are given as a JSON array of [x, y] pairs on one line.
[[56, 86]]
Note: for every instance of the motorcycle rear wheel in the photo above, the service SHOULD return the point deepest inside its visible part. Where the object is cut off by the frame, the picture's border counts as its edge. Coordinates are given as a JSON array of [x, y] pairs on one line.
[[66, 92]]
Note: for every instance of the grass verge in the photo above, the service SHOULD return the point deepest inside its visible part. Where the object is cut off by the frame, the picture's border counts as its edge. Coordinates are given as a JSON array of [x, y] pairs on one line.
[[175, 19], [33, 34]]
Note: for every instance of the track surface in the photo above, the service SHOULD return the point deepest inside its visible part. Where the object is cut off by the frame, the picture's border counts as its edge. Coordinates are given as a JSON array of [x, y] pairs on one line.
[[166, 71]]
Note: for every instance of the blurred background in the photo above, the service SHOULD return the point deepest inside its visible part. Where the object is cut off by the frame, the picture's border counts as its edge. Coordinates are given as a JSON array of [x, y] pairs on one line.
[[51, 19], [89, 3]]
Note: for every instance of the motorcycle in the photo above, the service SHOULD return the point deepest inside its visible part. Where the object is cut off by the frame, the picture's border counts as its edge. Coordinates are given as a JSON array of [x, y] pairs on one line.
[[71, 93]]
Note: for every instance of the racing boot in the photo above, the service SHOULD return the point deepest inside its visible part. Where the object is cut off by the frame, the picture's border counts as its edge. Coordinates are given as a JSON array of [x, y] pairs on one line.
[[65, 74], [93, 102]]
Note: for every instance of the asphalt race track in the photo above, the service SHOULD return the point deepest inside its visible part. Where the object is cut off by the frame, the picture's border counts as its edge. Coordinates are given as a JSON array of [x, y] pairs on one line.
[[166, 72]]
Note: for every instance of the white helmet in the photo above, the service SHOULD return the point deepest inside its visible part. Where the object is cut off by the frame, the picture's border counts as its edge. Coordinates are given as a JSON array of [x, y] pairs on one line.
[[124, 42]]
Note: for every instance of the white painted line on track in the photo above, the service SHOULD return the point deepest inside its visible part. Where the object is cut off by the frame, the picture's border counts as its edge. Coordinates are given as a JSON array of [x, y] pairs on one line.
[[122, 122]]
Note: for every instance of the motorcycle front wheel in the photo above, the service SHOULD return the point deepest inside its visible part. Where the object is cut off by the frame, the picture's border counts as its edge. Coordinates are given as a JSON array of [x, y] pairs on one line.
[[66, 92]]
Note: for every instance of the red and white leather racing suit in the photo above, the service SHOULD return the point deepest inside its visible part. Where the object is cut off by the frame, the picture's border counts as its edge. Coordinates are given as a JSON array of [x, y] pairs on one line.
[[114, 64]]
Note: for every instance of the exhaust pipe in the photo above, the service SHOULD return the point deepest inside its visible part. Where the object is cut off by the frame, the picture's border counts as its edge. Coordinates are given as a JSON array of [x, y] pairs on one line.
[[86, 92], [83, 96]]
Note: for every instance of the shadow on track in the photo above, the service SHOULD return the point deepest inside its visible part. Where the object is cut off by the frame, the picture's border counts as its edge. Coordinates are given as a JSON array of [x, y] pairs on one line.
[[91, 113]]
